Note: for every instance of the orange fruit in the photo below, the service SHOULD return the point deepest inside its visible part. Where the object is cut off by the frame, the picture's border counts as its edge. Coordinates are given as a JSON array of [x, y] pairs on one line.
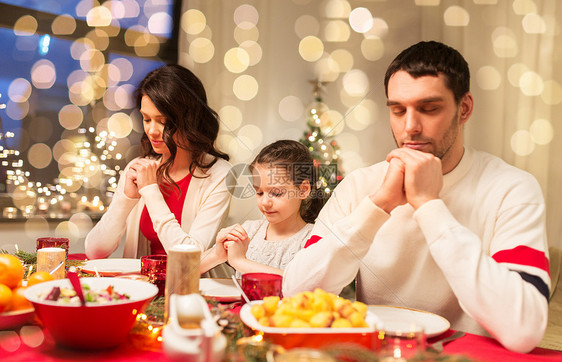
[[5, 298], [11, 270], [39, 277], [19, 302]]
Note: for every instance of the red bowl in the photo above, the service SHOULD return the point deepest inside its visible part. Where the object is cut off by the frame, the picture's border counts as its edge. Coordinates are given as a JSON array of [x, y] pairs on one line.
[[91, 326]]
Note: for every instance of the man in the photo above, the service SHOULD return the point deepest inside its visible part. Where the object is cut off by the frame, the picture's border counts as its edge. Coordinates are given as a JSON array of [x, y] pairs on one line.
[[438, 226]]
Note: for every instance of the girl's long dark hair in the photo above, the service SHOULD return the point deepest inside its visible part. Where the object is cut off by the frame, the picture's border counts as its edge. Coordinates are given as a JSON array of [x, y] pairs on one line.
[[296, 159], [180, 96]]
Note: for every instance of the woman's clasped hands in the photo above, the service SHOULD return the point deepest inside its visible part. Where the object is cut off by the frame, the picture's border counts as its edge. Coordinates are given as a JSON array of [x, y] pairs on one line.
[[141, 173]]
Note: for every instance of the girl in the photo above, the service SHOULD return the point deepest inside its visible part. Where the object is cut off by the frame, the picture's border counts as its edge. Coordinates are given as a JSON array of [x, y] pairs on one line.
[[284, 178], [174, 192]]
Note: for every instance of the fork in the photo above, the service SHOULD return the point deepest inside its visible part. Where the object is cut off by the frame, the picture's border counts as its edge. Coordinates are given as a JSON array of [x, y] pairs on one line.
[[438, 346]]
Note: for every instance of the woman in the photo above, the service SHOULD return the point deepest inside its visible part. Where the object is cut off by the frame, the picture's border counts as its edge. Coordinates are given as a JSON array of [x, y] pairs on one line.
[[175, 192]]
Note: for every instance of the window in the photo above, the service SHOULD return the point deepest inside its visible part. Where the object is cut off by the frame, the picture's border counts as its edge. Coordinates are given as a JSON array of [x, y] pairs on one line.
[[68, 118]]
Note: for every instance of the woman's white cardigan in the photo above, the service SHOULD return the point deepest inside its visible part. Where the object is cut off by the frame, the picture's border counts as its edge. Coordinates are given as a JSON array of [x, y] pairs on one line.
[[205, 209]]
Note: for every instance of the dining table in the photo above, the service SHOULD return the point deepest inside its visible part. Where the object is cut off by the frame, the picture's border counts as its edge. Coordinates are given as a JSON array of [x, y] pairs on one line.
[[32, 342]]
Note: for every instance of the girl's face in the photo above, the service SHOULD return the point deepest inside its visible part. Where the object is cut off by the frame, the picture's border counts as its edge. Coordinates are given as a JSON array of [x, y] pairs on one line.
[[277, 197], [153, 123]]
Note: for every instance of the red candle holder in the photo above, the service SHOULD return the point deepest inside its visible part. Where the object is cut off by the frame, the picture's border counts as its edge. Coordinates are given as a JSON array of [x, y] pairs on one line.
[[49, 242], [154, 267], [259, 285]]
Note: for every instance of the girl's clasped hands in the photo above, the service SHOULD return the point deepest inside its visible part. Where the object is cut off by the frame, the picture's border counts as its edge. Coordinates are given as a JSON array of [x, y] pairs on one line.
[[232, 245]]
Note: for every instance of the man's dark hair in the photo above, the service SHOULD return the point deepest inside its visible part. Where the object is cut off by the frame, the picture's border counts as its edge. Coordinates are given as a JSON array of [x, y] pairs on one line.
[[432, 58]]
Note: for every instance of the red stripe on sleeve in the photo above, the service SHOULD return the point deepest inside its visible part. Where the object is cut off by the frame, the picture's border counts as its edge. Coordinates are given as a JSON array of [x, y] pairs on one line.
[[523, 255], [312, 240]]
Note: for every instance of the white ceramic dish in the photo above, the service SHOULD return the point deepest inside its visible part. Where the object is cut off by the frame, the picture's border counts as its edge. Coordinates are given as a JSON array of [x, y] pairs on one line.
[[222, 290], [111, 267], [433, 324], [246, 316], [313, 337]]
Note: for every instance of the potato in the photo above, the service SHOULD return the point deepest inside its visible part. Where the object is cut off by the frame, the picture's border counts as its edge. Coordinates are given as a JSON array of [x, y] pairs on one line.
[[321, 320], [264, 321], [281, 320], [270, 304], [299, 323], [360, 307], [357, 320], [341, 323], [317, 309], [258, 311]]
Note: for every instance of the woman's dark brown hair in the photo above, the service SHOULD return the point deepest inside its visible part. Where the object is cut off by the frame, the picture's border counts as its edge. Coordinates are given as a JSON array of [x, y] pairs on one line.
[[296, 159], [180, 96]]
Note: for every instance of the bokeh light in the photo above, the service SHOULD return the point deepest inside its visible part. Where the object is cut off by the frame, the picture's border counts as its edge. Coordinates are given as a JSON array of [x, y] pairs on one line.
[[193, 21], [358, 117], [533, 24], [311, 48], [306, 25], [245, 87], [98, 16], [336, 9], [63, 25], [18, 110], [524, 7], [230, 117], [43, 74], [125, 68], [201, 50], [515, 72], [488, 78], [39, 155], [336, 31], [19, 90], [36, 227], [372, 48], [552, 93], [82, 222], [99, 38], [160, 23], [379, 29], [252, 135], [343, 58], [326, 69], [70, 116], [456, 16], [531, 84], [25, 26], [32, 336], [246, 16], [254, 51], [522, 143], [243, 34], [541, 131], [236, 60], [119, 125], [361, 19], [356, 83], [291, 108]]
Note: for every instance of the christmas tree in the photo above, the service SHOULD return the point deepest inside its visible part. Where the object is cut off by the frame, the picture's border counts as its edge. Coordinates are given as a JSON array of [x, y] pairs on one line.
[[319, 139]]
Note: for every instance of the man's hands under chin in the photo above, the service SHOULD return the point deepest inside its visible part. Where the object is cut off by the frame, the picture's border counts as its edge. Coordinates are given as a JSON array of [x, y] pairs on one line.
[[412, 177]]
